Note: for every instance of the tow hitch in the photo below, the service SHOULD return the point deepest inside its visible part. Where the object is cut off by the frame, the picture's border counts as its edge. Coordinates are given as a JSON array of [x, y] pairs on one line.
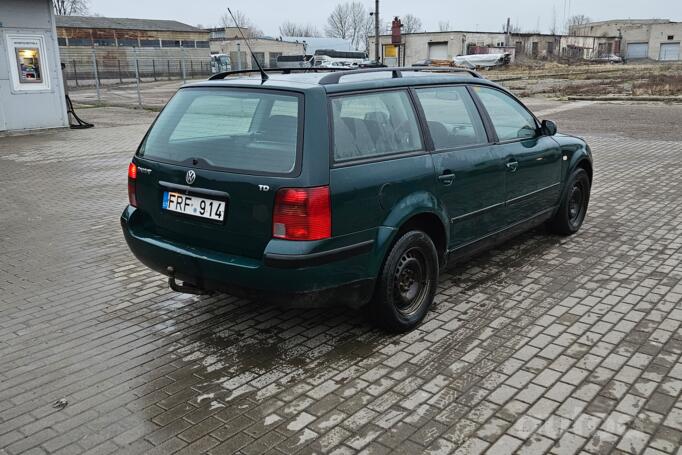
[[184, 287]]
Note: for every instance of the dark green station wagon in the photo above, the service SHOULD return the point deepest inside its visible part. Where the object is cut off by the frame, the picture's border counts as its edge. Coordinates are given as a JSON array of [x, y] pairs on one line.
[[348, 187]]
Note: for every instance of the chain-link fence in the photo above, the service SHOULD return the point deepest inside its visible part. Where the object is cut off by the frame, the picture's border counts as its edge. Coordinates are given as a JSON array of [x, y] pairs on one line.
[[104, 71], [129, 79]]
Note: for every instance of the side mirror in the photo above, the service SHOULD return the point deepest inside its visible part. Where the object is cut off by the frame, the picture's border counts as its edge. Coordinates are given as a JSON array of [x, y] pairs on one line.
[[549, 127]]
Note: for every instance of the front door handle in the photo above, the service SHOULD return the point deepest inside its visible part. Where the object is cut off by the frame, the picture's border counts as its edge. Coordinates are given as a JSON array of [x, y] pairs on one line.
[[513, 166], [447, 177]]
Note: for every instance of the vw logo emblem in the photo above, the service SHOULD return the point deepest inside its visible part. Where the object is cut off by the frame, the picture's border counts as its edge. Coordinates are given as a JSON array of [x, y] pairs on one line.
[[190, 177]]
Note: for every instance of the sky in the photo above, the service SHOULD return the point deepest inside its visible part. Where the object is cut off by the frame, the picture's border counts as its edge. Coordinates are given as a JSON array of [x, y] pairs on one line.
[[482, 15]]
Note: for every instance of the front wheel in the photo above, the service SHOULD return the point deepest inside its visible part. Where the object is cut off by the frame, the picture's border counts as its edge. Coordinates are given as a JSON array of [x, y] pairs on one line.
[[407, 283], [573, 208]]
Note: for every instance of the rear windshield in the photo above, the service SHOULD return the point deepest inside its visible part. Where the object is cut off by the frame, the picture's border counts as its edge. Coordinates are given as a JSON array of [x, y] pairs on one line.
[[228, 129]]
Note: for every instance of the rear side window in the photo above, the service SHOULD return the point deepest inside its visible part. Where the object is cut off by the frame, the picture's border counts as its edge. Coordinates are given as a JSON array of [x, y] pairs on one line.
[[227, 129], [374, 124], [510, 119], [452, 117]]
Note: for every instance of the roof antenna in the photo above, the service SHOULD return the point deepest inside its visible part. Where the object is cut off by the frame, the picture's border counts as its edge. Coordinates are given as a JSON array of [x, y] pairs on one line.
[[263, 75]]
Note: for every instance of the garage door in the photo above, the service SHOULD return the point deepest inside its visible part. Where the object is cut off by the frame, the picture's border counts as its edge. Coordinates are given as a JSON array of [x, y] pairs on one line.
[[638, 50], [438, 51], [670, 51]]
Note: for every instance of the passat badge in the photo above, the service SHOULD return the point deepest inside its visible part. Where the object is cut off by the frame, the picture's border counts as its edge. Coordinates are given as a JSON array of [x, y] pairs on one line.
[[190, 177]]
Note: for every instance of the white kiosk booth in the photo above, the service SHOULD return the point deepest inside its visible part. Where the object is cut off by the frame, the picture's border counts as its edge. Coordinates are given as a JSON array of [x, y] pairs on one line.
[[31, 86]]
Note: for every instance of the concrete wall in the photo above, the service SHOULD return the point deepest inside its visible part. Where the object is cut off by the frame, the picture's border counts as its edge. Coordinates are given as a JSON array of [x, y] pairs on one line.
[[119, 63], [45, 106], [587, 47], [270, 48], [70, 33], [116, 61], [83, 54]]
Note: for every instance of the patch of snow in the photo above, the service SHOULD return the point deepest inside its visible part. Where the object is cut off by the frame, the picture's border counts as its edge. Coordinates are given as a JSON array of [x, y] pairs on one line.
[[272, 418], [216, 405]]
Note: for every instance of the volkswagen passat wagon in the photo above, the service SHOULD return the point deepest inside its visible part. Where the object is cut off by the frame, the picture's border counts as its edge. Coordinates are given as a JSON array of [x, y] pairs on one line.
[[352, 187]]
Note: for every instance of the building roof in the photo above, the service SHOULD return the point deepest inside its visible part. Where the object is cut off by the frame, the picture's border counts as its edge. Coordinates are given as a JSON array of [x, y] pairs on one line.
[[628, 21], [124, 24]]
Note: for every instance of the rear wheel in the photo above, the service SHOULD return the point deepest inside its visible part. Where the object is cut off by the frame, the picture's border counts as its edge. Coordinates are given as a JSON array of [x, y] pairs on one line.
[[573, 208], [407, 283]]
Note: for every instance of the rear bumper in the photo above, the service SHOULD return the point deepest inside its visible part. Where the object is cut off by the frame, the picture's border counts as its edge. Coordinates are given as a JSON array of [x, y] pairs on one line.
[[343, 274]]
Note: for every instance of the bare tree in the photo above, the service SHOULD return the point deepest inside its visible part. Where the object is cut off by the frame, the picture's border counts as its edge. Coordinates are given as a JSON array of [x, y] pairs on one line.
[[339, 22], [574, 23], [412, 24], [350, 21], [362, 25], [366, 29], [242, 21], [289, 28], [444, 26], [71, 7]]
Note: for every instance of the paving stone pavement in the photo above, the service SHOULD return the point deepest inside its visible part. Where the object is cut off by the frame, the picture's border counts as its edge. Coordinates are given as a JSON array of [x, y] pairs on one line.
[[544, 345]]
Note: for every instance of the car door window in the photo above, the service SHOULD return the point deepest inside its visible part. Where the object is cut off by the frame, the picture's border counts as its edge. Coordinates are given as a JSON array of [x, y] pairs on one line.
[[374, 124], [452, 117], [510, 119]]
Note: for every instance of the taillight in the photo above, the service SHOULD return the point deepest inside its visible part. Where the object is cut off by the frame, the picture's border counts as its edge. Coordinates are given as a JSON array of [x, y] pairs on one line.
[[302, 214], [132, 177]]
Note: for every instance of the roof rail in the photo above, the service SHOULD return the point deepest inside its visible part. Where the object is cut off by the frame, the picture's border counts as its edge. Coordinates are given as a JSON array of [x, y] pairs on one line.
[[334, 78], [311, 69], [335, 74]]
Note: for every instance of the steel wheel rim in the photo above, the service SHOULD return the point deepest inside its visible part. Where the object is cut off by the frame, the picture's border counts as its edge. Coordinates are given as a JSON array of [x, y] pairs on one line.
[[576, 203], [411, 282]]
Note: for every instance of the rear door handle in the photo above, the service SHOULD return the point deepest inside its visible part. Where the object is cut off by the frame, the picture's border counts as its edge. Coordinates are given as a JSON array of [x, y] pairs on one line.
[[447, 177], [513, 166]]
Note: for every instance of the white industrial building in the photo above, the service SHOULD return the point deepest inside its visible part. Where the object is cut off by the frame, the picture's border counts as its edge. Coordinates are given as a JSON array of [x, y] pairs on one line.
[[654, 39], [31, 86], [416, 47]]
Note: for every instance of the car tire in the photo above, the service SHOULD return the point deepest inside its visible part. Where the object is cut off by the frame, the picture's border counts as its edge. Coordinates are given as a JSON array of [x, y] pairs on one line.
[[407, 283], [573, 208]]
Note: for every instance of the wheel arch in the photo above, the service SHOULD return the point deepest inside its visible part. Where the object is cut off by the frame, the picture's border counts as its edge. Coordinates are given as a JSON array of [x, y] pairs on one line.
[[585, 163], [420, 211]]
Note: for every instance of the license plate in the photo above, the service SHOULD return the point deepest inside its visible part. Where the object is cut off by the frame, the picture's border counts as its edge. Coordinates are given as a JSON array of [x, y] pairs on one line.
[[193, 205]]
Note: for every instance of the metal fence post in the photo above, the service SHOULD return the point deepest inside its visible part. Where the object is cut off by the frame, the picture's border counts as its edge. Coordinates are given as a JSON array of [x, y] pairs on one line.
[[239, 56], [182, 65], [94, 70], [154, 68], [120, 76], [137, 79], [168, 61], [75, 71]]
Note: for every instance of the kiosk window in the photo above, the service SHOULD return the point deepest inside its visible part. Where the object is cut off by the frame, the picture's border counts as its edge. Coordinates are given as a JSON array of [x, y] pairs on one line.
[[28, 63]]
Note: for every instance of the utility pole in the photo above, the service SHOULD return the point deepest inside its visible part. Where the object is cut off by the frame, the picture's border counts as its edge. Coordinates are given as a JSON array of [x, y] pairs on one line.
[[507, 38], [376, 30]]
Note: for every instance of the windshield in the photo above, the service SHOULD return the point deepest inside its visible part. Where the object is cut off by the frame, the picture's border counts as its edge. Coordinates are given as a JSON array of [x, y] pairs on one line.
[[229, 129]]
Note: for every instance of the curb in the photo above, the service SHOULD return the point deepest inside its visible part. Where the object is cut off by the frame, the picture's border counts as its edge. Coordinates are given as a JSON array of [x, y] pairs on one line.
[[665, 99]]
